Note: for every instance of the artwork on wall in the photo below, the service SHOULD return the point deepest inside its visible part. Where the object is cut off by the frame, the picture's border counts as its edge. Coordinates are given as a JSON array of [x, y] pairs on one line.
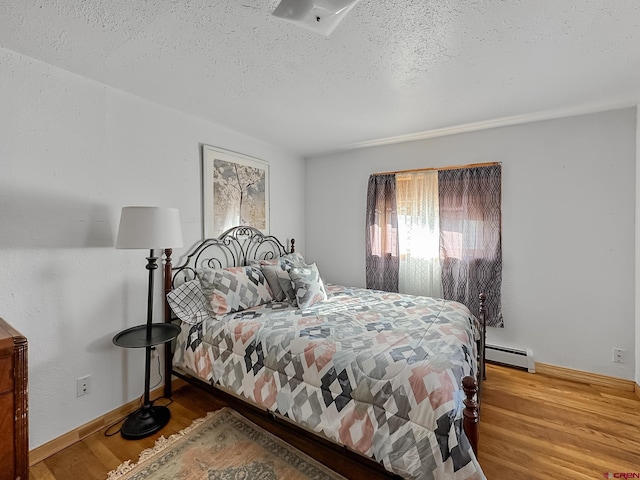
[[235, 191]]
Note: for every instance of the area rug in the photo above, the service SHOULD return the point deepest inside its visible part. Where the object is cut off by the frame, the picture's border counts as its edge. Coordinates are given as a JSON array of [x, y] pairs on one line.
[[222, 446]]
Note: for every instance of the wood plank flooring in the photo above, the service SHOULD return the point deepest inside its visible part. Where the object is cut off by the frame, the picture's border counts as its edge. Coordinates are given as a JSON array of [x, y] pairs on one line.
[[532, 427], [539, 427]]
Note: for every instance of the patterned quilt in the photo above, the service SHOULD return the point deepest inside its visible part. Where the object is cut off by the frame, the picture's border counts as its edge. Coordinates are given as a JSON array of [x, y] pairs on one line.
[[375, 371]]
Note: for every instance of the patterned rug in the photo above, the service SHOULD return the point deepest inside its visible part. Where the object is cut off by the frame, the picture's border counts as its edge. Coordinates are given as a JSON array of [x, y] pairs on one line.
[[222, 446]]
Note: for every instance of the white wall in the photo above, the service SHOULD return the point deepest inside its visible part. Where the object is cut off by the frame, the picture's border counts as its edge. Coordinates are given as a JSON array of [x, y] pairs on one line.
[[637, 262], [72, 153], [568, 228]]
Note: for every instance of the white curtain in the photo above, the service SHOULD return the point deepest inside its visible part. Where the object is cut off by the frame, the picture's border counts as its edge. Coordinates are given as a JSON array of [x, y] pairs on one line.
[[419, 233]]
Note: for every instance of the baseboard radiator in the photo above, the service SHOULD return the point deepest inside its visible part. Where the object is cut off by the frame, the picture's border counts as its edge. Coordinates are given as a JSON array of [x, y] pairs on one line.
[[511, 357]]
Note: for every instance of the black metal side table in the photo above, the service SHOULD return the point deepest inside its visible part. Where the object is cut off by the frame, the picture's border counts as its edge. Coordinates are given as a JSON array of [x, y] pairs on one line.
[[149, 418]]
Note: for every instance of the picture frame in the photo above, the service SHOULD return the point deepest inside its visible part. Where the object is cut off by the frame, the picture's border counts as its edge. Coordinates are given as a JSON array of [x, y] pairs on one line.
[[235, 191]]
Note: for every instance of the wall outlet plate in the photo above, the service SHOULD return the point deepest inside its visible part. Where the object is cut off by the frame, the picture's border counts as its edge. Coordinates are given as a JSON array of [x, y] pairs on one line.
[[83, 385], [618, 355]]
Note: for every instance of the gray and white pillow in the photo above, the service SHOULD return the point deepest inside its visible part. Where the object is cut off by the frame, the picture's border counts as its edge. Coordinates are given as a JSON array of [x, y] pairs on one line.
[[308, 286], [288, 262], [277, 273], [233, 289], [273, 273]]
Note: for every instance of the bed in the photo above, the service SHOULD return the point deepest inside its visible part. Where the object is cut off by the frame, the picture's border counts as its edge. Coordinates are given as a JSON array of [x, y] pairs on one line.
[[392, 377]]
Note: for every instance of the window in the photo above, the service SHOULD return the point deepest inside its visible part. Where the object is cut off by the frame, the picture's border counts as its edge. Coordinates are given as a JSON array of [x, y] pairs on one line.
[[448, 227]]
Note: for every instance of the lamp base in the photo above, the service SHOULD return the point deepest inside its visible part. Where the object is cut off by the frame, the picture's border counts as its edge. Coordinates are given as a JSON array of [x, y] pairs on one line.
[[145, 421]]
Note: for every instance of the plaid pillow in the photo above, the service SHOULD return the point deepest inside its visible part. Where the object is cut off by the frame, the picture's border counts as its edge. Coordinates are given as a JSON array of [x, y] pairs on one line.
[[228, 290], [308, 285], [188, 302]]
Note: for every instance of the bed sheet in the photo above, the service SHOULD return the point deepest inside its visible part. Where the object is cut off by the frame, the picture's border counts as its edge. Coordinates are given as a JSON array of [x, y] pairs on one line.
[[375, 371]]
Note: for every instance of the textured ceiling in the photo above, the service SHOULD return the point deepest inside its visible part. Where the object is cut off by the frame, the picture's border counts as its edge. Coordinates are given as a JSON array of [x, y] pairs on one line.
[[391, 68]]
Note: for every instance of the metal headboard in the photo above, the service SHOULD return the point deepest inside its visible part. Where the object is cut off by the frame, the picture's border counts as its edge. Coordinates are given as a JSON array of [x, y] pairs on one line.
[[234, 248]]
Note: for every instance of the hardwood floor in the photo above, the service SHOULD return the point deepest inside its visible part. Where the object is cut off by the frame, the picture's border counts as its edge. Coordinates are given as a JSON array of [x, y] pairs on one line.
[[532, 427], [539, 427]]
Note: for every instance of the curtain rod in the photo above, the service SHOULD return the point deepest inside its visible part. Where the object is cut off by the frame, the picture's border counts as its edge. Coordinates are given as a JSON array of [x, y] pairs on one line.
[[456, 167]]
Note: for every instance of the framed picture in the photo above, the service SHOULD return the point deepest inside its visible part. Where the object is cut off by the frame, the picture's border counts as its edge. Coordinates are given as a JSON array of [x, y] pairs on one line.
[[235, 191]]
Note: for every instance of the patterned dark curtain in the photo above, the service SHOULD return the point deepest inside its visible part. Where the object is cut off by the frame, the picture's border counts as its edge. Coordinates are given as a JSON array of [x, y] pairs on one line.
[[382, 257], [470, 237]]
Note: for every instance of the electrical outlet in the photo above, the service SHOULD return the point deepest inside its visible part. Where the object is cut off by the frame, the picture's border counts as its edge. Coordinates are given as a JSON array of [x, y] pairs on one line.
[[618, 355], [84, 385]]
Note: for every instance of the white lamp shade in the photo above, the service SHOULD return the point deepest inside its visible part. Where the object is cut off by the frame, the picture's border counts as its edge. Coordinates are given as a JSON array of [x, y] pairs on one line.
[[149, 227], [320, 16]]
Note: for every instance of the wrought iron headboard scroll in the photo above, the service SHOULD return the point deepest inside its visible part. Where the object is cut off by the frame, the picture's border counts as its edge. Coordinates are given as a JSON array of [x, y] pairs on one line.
[[234, 248]]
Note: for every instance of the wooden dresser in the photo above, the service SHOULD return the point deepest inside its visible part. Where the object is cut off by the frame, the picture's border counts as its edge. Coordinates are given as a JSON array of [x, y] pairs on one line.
[[14, 414]]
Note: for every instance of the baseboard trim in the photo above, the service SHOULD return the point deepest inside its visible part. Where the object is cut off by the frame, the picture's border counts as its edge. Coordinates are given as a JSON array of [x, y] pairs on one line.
[[587, 377], [58, 444]]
